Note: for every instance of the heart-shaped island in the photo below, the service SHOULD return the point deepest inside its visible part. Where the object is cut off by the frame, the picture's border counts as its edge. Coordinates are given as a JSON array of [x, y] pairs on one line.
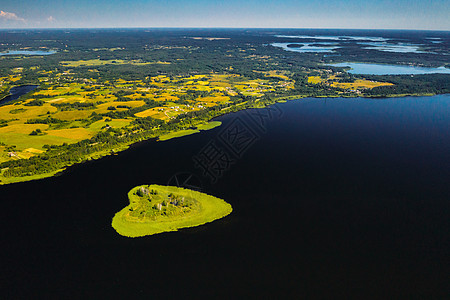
[[155, 208]]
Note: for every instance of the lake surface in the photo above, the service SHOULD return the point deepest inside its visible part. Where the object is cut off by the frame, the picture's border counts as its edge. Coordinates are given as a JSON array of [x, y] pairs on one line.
[[399, 48], [330, 197], [367, 42], [336, 38], [381, 69], [18, 91], [307, 47], [27, 52]]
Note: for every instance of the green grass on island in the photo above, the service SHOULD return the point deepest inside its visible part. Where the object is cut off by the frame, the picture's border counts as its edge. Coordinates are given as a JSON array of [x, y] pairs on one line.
[[155, 209]]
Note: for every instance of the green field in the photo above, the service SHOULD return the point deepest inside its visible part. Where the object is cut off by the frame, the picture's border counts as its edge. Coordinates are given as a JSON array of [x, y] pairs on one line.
[[155, 209], [177, 134], [209, 125], [181, 133]]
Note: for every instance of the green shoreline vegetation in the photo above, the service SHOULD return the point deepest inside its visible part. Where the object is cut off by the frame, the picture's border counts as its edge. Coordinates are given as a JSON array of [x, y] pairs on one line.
[[181, 133], [155, 209], [177, 134]]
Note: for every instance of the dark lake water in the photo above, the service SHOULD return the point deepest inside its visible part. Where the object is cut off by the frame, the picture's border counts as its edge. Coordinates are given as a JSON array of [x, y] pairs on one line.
[[332, 198], [18, 91]]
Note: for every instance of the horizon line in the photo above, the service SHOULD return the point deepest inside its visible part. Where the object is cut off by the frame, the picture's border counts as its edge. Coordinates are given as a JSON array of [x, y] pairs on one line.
[[230, 28]]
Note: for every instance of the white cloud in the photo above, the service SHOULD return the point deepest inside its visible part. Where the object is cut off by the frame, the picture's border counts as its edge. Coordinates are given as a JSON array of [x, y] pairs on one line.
[[10, 16], [51, 19]]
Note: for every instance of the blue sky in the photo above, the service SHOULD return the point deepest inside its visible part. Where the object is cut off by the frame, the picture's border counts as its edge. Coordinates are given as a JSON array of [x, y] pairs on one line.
[[373, 14]]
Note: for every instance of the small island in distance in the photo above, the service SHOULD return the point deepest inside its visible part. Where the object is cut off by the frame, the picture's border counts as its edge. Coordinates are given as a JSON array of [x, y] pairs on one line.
[[155, 209]]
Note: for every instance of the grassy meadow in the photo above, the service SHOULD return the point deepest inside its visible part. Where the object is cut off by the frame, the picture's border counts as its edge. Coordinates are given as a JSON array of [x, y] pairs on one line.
[[357, 84]]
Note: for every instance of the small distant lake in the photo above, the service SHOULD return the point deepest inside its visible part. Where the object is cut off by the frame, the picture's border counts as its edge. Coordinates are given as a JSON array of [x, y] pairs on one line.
[[307, 47], [18, 91], [335, 37], [380, 69], [373, 43], [27, 52], [399, 48]]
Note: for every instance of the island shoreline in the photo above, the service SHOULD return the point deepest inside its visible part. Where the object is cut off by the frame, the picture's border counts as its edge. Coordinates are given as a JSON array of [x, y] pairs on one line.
[[180, 208]]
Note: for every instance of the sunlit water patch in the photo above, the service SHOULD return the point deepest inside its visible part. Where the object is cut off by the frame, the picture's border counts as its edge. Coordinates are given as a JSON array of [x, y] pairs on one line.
[[381, 69], [368, 42], [400, 48], [336, 38], [27, 52], [307, 47]]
